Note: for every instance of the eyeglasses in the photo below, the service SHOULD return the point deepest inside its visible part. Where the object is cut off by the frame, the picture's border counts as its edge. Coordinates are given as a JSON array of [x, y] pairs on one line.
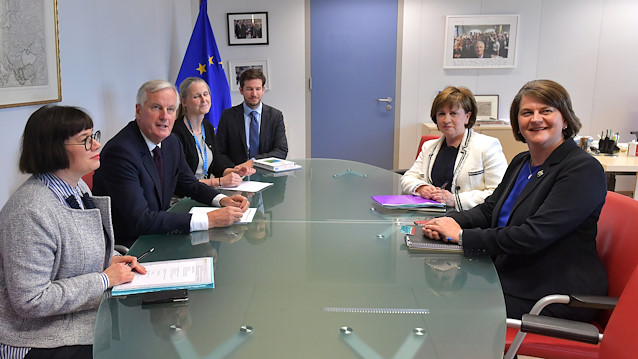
[[88, 141]]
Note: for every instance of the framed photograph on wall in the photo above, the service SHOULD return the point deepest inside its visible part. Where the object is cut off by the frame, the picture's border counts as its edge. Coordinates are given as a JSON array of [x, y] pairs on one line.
[[247, 28], [487, 107], [236, 67], [483, 41], [30, 67]]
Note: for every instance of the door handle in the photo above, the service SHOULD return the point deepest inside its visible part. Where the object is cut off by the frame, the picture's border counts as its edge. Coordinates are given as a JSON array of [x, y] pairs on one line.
[[388, 100]]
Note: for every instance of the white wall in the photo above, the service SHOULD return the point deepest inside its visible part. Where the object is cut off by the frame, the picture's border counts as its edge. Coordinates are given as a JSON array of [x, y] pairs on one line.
[[109, 48], [586, 45]]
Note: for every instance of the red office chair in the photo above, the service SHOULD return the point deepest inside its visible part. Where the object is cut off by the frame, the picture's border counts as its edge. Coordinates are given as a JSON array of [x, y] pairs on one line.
[[423, 139], [617, 244], [617, 342], [418, 150], [88, 179]]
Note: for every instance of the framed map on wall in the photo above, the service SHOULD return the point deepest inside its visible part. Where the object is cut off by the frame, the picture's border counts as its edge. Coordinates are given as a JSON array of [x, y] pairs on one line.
[[29, 53]]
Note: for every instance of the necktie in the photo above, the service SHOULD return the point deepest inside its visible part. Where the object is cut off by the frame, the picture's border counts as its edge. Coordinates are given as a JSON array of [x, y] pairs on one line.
[[157, 157], [254, 135]]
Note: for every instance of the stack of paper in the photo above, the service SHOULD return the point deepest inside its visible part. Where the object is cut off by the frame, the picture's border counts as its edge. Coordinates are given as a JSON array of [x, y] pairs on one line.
[[248, 186], [275, 164], [406, 201], [194, 273], [247, 217]]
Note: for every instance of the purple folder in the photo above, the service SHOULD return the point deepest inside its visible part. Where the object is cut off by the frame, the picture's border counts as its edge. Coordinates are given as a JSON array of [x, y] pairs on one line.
[[406, 201]]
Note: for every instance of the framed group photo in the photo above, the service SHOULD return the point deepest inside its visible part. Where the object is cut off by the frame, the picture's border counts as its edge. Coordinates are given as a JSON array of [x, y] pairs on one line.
[[30, 67], [236, 67], [483, 41], [247, 28]]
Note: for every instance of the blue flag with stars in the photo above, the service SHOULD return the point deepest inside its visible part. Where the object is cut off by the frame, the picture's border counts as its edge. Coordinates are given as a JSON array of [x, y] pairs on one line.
[[202, 60]]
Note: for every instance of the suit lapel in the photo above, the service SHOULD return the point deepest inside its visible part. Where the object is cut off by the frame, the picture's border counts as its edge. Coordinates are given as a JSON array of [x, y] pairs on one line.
[[543, 172], [506, 193], [241, 127], [263, 128], [149, 164]]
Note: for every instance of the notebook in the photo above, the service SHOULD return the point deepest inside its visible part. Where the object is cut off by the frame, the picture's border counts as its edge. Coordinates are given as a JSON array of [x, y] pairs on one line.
[[430, 245], [406, 201]]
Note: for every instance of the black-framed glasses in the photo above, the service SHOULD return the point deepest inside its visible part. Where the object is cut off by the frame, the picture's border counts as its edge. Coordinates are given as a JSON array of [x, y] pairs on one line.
[[88, 141]]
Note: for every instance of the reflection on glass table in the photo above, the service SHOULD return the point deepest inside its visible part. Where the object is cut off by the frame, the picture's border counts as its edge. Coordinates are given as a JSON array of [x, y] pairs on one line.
[[299, 287], [320, 273]]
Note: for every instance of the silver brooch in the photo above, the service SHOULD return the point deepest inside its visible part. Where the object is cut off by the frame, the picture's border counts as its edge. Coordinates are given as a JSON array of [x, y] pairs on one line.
[[539, 173]]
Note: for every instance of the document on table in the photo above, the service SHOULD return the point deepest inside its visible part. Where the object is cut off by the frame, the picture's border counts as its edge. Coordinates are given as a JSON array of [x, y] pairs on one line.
[[246, 218], [193, 273], [248, 186]]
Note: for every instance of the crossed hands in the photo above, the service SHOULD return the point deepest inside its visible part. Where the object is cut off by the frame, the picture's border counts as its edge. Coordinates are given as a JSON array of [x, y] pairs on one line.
[[443, 229], [232, 211], [436, 194]]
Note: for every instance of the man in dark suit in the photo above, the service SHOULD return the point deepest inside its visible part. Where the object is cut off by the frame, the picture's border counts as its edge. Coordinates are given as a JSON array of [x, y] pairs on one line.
[[144, 165], [252, 129]]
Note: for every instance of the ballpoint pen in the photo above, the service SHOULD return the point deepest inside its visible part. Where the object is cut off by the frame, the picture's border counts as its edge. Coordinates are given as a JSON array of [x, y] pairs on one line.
[[142, 256]]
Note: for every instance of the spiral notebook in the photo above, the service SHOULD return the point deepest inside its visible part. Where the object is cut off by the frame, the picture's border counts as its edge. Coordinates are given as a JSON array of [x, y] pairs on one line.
[[430, 245]]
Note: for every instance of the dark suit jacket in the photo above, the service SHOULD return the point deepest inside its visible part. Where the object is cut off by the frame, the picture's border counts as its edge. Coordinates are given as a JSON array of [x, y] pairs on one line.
[[231, 136], [128, 175], [549, 243], [190, 148]]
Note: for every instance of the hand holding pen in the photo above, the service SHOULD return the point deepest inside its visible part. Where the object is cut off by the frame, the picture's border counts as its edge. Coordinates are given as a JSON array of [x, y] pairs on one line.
[[142, 255], [123, 268]]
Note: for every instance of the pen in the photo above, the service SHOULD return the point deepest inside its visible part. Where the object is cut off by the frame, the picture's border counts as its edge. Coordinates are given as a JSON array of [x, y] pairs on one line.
[[142, 255], [443, 185]]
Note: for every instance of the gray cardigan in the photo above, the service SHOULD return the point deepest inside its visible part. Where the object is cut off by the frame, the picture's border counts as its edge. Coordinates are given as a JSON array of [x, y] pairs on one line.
[[51, 257]]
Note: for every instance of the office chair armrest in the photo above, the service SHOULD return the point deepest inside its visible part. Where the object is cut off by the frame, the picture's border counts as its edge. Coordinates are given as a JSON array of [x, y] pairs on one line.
[[587, 301], [593, 301], [560, 328], [122, 250]]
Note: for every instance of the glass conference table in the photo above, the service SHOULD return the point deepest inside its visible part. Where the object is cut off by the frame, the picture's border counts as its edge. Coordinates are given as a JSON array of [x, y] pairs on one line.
[[322, 272]]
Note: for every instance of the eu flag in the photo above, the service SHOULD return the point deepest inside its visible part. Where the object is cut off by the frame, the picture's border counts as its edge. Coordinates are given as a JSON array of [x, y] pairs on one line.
[[202, 60]]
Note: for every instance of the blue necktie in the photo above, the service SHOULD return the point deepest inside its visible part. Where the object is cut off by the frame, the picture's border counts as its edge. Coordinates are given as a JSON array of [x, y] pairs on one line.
[[254, 135]]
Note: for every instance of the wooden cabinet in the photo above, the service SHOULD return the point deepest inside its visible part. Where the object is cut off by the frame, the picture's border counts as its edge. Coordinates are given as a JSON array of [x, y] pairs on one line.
[[511, 147]]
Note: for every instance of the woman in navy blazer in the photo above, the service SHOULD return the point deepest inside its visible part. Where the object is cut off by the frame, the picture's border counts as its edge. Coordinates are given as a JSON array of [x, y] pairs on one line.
[[540, 223]]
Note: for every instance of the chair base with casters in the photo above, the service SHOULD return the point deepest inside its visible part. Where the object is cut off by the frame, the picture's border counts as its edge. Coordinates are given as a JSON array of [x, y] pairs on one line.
[[617, 342]]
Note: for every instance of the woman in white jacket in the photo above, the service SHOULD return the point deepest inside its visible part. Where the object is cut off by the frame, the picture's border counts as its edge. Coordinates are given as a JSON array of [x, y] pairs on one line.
[[463, 167]]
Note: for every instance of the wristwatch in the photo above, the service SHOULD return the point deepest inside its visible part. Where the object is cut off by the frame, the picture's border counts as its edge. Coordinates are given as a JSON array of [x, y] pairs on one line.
[[460, 242]]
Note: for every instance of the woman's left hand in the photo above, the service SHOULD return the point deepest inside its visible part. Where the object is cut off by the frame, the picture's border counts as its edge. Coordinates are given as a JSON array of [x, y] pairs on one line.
[[443, 228]]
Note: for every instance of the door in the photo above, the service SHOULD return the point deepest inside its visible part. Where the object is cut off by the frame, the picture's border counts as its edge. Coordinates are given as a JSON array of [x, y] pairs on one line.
[[353, 70]]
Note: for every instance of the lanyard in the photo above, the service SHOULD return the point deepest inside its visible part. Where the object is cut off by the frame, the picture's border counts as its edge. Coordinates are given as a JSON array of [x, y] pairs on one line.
[[202, 153]]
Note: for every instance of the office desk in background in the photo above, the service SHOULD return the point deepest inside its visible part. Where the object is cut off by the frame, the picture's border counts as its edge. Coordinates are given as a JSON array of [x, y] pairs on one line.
[[620, 164], [331, 279]]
